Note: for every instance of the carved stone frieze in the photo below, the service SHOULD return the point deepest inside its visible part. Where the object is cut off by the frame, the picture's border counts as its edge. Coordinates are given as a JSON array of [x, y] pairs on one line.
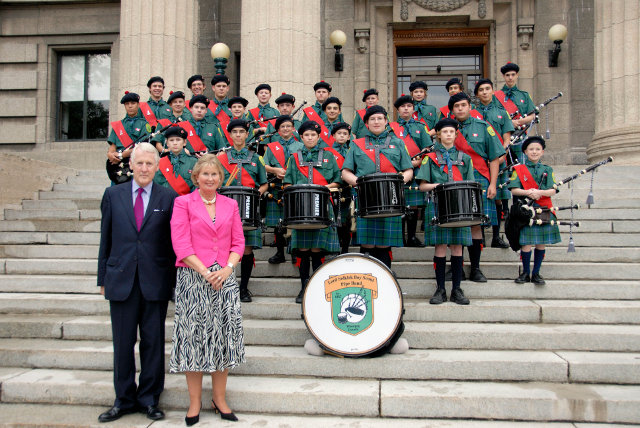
[[441, 6]]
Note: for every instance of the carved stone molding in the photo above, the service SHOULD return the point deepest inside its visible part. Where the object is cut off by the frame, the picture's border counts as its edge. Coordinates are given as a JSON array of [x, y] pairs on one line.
[[362, 37], [525, 33], [441, 6]]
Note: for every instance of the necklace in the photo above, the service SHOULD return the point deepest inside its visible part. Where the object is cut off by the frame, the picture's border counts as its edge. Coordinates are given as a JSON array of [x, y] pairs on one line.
[[208, 202]]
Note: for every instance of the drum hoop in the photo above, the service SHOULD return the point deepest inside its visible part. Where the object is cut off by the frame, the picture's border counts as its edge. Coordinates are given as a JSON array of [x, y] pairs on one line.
[[397, 325], [238, 190]]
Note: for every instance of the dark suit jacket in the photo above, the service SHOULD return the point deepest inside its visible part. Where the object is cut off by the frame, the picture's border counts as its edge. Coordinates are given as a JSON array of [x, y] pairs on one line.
[[123, 249]]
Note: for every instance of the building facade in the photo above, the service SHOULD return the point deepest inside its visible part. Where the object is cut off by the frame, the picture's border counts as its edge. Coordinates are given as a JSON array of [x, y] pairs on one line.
[[65, 64]]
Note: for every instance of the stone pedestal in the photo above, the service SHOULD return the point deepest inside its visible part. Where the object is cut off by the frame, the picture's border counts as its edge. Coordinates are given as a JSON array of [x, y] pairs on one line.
[[158, 38], [281, 44], [617, 82]]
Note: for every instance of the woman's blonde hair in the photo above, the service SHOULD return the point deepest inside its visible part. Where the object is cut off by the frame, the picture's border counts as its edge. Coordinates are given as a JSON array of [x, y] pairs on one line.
[[207, 160]]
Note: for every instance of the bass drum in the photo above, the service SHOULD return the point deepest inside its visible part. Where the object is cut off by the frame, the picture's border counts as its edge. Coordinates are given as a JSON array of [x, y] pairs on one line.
[[380, 195], [306, 206], [459, 204], [248, 203], [353, 306]]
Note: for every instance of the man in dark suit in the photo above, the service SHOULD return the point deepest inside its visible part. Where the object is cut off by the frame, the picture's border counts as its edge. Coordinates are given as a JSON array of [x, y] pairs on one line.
[[136, 273]]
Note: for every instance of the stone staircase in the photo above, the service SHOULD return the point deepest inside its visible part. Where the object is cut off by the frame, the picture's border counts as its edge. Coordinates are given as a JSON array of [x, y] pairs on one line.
[[558, 355]]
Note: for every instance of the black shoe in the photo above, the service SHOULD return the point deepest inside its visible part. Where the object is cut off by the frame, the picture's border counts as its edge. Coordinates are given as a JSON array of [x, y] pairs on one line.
[[457, 296], [524, 277], [476, 275], [414, 242], [440, 296], [226, 416], [115, 413], [152, 412], [245, 295], [277, 258], [537, 279], [192, 420], [448, 274], [300, 296], [498, 242]]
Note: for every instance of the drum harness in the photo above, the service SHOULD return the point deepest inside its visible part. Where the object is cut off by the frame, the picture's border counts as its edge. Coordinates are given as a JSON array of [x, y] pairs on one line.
[[449, 163], [377, 148]]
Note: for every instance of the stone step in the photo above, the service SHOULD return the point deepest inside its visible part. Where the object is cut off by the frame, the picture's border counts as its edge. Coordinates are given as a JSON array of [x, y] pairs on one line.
[[49, 226], [411, 288], [61, 204], [540, 401], [492, 270], [66, 214], [96, 189], [421, 335], [23, 415], [93, 180], [50, 251], [281, 308], [69, 194]]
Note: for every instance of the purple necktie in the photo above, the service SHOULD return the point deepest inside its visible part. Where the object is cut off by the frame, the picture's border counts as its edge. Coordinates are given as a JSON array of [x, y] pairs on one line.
[[138, 209]]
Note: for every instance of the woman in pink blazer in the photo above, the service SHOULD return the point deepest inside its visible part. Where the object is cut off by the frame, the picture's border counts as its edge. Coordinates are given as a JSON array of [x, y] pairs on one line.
[[207, 237]]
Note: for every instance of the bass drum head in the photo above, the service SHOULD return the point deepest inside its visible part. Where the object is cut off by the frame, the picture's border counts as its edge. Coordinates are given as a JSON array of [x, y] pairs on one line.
[[352, 305]]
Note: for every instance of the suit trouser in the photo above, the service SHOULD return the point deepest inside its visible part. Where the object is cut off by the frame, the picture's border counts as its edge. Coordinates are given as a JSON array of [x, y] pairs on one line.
[[126, 316]]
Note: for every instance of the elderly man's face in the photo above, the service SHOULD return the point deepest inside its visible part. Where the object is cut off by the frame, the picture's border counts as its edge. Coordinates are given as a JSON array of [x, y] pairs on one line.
[[144, 167]]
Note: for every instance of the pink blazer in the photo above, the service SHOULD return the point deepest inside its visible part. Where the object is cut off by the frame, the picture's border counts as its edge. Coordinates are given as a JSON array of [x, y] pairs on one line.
[[193, 231]]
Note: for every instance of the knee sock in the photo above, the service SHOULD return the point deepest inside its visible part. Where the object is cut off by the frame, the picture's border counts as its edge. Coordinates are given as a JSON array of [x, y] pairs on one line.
[[281, 242], [385, 256], [316, 260], [496, 230], [344, 236], [538, 256], [474, 253], [505, 209], [456, 271], [246, 266], [304, 268], [412, 224], [526, 261], [439, 265]]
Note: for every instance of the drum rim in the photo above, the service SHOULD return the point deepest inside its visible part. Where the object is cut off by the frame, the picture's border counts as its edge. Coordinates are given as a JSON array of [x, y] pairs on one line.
[[382, 343], [242, 189], [462, 184], [307, 186], [377, 175]]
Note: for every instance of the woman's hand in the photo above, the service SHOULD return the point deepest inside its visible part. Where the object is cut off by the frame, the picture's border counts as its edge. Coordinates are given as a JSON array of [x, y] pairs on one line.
[[217, 278]]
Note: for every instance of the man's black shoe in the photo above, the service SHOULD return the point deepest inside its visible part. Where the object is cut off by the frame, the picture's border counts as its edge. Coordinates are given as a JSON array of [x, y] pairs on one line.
[[152, 413], [498, 242], [524, 277], [440, 296], [448, 275], [414, 242], [299, 297], [115, 413], [245, 296], [277, 258], [457, 296], [476, 275], [537, 279]]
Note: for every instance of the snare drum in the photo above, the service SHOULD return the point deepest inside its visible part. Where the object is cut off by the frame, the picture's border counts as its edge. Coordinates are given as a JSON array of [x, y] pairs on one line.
[[459, 204], [306, 206], [380, 195], [353, 306], [248, 203]]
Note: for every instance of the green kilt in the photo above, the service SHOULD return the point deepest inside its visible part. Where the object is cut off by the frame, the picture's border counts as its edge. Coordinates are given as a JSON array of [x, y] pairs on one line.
[[488, 204], [434, 234], [540, 234], [385, 231], [413, 197], [503, 193], [253, 238], [326, 238], [274, 212]]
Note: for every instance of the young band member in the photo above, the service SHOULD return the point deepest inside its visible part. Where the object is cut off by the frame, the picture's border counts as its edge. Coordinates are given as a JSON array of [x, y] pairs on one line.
[[453, 86], [196, 86], [243, 167], [286, 104], [312, 165], [275, 158], [446, 164], [264, 110], [380, 150], [416, 137], [370, 98], [341, 133], [478, 139], [535, 181], [322, 91], [155, 108], [493, 113], [219, 104], [174, 169], [332, 108], [177, 102], [423, 112], [125, 132], [238, 107]]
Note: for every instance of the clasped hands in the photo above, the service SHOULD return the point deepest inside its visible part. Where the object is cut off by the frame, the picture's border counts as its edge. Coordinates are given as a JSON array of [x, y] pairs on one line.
[[217, 278]]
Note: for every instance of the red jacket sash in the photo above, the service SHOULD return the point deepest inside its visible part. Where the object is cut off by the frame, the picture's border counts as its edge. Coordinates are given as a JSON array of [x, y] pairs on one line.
[[479, 164], [318, 178], [411, 145], [164, 122], [528, 182], [338, 156], [445, 112], [324, 134], [177, 183], [223, 118], [192, 137], [147, 112], [255, 112], [385, 163], [479, 116], [121, 133], [245, 179], [456, 172], [508, 105], [278, 151]]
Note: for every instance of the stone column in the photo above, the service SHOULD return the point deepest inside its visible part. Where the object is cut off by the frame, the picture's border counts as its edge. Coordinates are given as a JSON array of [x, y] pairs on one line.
[[617, 82], [158, 38], [281, 44]]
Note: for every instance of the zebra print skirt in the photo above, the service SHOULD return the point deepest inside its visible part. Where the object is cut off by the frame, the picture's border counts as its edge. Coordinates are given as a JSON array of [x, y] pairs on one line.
[[207, 332]]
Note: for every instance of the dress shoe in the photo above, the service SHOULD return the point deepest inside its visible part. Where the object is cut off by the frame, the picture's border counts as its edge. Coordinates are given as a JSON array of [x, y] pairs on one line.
[[498, 242], [414, 242], [537, 279], [457, 296], [300, 296], [524, 277], [277, 258], [115, 413], [440, 296], [152, 412], [448, 275], [476, 275], [245, 296], [192, 420], [226, 416]]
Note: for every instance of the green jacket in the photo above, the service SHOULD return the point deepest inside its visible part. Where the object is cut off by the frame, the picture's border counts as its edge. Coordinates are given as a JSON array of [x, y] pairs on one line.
[[432, 173], [328, 166], [182, 165], [360, 164]]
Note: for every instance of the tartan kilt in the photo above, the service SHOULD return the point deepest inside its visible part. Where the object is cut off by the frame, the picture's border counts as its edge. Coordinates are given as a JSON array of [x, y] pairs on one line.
[[503, 193], [488, 204], [385, 231], [414, 197], [253, 238], [540, 234], [274, 212], [326, 238], [434, 234]]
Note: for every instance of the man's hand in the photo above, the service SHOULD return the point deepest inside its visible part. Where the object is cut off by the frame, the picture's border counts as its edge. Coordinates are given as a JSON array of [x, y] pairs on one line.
[[491, 191], [102, 290]]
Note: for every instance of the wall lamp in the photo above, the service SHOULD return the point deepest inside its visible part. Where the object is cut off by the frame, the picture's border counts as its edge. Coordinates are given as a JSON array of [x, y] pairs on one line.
[[220, 54], [338, 40], [557, 34]]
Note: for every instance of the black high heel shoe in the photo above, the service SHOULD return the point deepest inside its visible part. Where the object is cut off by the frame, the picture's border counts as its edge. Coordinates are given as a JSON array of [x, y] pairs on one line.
[[226, 416], [192, 420]]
